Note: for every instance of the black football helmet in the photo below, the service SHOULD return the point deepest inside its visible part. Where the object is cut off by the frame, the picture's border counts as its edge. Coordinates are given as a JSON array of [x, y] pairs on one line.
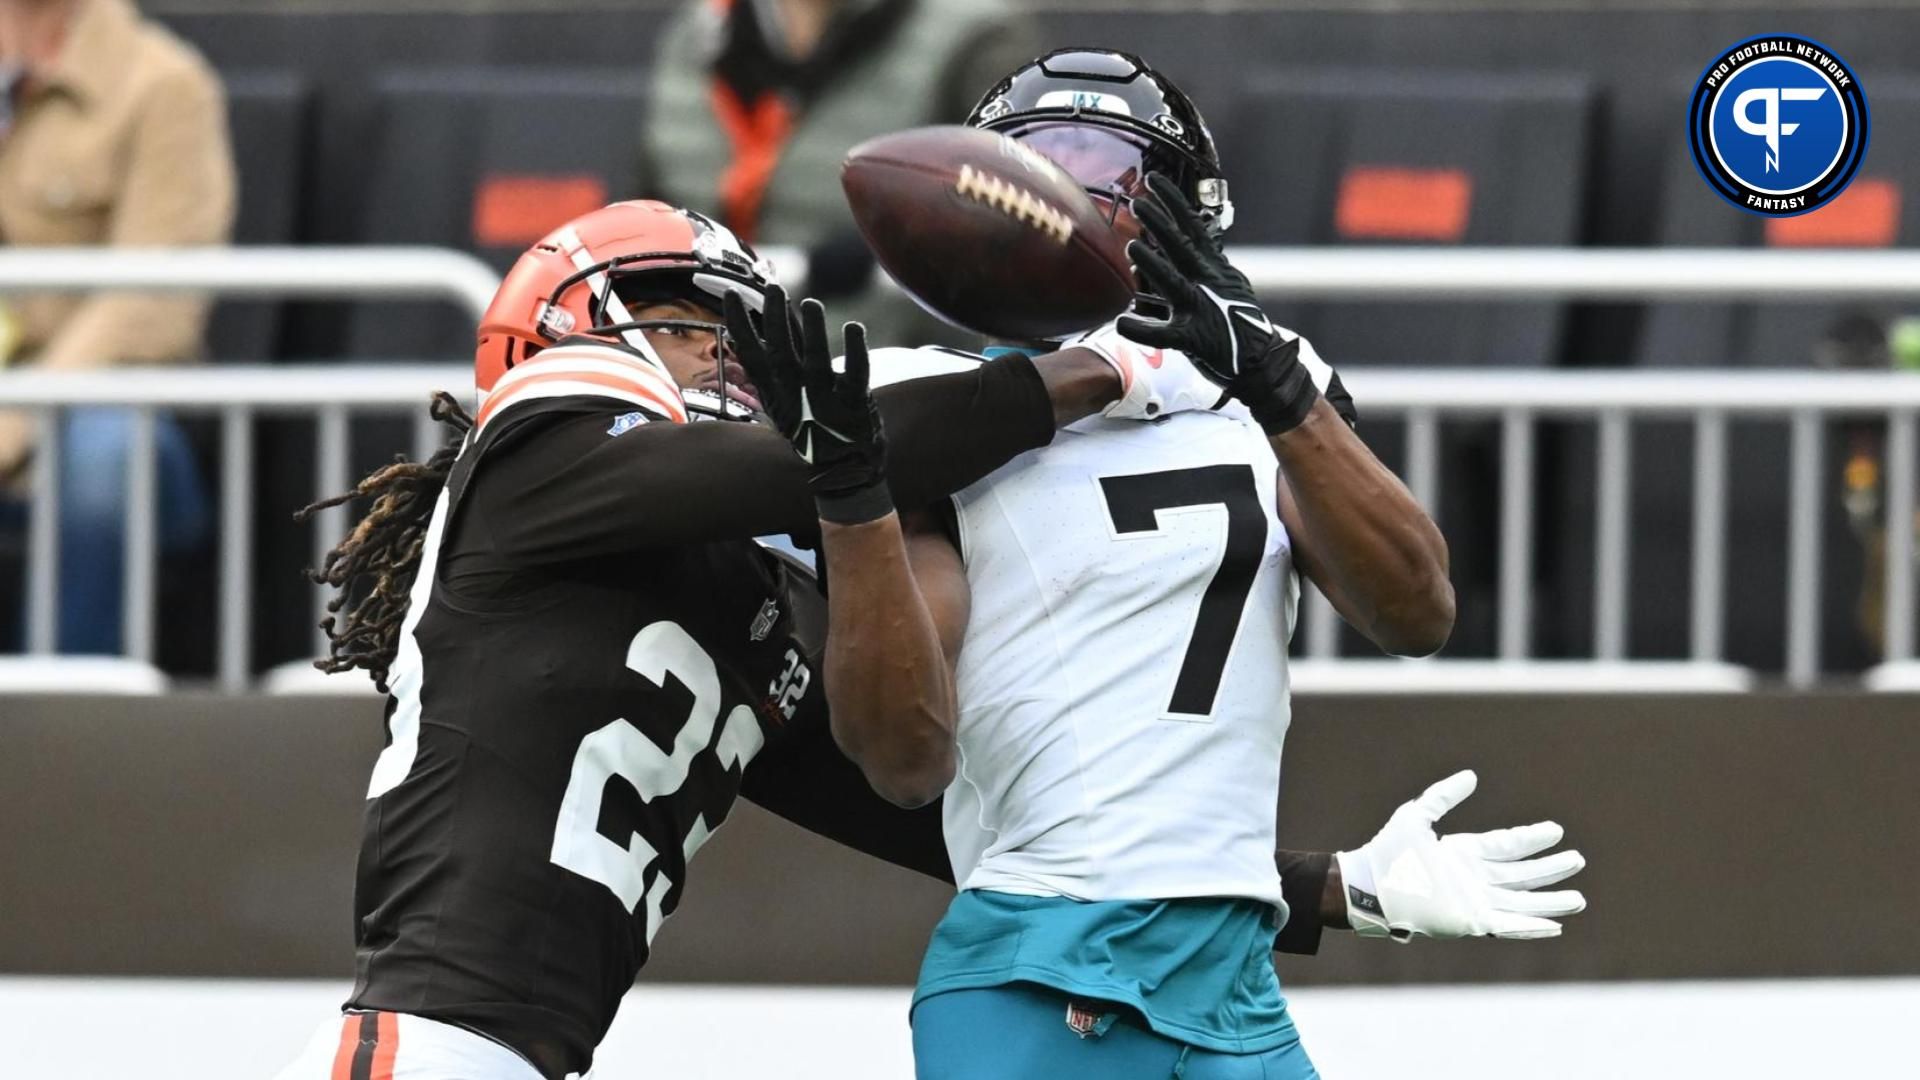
[[1108, 119]]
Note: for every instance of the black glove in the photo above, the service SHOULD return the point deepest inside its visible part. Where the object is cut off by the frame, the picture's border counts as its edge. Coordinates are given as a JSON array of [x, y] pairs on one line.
[[829, 418], [1215, 318]]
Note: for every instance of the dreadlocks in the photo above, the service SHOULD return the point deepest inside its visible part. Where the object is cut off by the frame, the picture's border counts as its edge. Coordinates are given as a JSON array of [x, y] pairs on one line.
[[375, 565]]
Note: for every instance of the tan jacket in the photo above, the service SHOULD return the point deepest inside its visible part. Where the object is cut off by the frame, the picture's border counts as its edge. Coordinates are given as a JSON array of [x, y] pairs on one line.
[[123, 142]]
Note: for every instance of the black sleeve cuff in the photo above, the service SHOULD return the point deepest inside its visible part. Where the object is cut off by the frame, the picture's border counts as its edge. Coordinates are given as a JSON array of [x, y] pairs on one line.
[[946, 432], [855, 507], [1303, 878]]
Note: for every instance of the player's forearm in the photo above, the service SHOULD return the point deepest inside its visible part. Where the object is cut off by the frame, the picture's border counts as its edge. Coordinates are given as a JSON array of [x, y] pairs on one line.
[[1333, 898], [1370, 541], [663, 485], [889, 687], [1079, 383], [949, 431]]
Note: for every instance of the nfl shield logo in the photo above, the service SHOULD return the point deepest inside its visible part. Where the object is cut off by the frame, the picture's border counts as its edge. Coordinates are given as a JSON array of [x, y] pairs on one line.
[[764, 622], [1081, 1020]]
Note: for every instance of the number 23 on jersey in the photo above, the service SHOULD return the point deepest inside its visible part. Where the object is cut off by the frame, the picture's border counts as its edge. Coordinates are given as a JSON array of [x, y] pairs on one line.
[[660, 650]]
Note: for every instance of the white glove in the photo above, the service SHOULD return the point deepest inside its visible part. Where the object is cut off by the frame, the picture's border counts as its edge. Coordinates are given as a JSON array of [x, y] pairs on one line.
[[1154, 382], [1408, 882]]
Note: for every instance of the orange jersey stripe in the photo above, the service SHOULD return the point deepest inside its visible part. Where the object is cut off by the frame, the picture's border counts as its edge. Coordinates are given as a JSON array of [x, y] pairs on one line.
[[387, 1047], [649, 380], [506, 396]]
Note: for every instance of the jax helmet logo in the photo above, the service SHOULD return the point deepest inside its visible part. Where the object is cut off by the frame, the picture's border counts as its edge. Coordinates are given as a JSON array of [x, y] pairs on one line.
[[1778, 125]]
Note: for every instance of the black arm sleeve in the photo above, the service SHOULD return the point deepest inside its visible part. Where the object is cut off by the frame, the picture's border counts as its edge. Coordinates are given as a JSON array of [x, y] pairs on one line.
[[807, 780], [1303, 877], [661, 485]]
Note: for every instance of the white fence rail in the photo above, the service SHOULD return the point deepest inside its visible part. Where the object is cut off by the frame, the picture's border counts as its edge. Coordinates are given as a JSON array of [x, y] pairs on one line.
[[1430, 273], [1421, 273], [1422, 398], [315, 273]]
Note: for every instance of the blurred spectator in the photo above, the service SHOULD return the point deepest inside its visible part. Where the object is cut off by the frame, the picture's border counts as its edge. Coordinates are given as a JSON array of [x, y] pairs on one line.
[[755, 103], [1859, 340], [112, 132]]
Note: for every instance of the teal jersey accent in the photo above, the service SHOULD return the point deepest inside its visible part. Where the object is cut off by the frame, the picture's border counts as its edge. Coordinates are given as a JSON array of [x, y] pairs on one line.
[[995, 352], [1199, 970]]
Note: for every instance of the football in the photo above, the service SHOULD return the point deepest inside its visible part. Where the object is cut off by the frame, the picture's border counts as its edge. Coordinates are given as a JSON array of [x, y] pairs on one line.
[[987, 233]]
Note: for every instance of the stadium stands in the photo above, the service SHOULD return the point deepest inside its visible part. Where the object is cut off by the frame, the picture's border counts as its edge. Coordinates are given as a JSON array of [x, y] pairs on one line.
[[487, 159], [268, 111], [1358, 157], [1869, 214], [1364, 157]]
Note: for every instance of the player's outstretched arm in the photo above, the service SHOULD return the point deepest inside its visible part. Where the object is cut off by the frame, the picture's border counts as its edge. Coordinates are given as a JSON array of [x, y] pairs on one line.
[[1409, 881], [888, 684], [1359, 535], [664, 485], [1358, 532]]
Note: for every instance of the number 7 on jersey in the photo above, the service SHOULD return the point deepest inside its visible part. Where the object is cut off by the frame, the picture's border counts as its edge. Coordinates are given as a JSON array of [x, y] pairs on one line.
[[1133, 505]]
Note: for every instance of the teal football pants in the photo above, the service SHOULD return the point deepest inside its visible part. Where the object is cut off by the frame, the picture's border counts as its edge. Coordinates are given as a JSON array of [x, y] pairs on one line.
[[1020, 1032]]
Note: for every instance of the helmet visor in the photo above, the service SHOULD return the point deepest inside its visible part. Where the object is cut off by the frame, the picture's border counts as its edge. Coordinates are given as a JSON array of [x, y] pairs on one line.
[[1105, 161]]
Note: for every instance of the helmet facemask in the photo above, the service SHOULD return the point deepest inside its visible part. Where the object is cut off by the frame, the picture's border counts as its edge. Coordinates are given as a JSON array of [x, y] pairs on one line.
[[703, 276]]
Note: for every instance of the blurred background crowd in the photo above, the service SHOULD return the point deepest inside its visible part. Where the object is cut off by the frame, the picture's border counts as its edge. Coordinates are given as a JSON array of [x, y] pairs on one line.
[[480, 125]]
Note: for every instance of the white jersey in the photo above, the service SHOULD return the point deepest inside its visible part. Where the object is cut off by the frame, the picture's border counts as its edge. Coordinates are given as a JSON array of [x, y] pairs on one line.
[[1123, 682]]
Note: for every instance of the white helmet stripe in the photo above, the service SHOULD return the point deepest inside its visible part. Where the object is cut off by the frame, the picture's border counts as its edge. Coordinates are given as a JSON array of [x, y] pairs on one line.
[[597, 283]]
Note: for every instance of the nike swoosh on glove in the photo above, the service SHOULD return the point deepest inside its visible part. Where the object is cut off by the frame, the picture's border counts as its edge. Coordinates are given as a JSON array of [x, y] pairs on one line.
[[828, 417], [1215, 318], [1409, 882], [1154, 382]]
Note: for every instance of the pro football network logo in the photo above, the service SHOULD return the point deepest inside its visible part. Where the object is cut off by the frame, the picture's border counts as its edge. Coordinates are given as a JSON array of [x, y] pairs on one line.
[[1778, 125]]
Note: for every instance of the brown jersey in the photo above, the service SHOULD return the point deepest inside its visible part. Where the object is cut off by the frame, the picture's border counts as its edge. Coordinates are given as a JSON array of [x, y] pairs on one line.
[[596, 660]]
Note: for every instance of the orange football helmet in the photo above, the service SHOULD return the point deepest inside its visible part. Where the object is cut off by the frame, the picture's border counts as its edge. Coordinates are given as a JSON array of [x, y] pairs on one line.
[[572, 282]]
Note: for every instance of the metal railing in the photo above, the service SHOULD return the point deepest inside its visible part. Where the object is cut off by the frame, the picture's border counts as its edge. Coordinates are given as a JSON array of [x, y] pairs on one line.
[[313, 273], [1423, 398], [1436, 273], [1614, 400], [234, 393], [331, 394]]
